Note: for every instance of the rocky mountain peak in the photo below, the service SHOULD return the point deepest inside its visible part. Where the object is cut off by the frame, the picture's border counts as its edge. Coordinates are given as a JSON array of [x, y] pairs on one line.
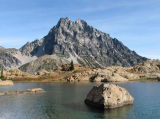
[[81, 43], [81, 22], [63, 22], [67, 24], [29, 48]]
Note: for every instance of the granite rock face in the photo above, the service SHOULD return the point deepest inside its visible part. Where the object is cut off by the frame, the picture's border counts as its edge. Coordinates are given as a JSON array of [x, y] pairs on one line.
[[107, 96], [149, 66], [7, 59], [149, 69], [11, 58]]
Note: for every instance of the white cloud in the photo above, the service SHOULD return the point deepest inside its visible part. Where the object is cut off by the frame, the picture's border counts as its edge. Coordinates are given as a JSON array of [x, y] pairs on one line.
[[152, 56]]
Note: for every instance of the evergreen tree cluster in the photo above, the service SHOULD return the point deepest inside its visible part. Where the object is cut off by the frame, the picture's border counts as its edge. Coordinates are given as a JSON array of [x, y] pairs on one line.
[[2, 76], [68, 67]]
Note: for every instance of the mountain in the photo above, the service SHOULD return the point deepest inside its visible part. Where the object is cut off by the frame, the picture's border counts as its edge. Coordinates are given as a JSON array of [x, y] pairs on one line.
[[7, 59], [43, 64], [83, 44], [79, 42], [11, 57]]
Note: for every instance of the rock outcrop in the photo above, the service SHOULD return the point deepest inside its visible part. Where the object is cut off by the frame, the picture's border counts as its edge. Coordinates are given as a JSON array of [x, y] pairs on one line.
[[35, 90], [107, 96], [109, 74], [6, 83], [146, 70], [47, 63], [149, 66]]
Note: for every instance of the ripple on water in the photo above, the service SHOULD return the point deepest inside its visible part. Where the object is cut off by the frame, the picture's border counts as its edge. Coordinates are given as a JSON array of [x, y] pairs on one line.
[[65, 101]]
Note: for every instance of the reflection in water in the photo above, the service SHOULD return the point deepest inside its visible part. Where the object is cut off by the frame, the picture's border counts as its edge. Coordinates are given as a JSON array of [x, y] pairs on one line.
[[66, 101], [118, 113]]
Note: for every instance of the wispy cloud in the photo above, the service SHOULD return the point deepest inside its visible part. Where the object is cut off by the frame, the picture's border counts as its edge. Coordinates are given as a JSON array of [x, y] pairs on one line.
[[14, 42], [151, 56]]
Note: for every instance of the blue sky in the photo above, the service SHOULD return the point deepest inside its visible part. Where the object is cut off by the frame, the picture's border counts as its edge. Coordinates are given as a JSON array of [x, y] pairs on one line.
[[134, 22]]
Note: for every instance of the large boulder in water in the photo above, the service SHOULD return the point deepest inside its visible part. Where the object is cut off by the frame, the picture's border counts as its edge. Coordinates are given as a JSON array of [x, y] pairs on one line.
[[108, 96]]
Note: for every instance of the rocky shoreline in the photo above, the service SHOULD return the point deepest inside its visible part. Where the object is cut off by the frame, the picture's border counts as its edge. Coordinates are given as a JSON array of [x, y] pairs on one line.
[[149, 69], [146, 70]]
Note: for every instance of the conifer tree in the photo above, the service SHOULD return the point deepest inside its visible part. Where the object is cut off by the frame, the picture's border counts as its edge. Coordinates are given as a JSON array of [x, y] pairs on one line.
[[2, 73], [71, 66]]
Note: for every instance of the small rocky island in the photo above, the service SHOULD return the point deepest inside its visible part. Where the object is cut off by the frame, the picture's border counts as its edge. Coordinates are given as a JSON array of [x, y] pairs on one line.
[[108, 96], [28, 91], [6, 83]]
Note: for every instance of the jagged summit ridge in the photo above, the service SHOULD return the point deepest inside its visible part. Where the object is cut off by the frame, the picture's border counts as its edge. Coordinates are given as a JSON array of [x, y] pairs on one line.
[[64, 21]]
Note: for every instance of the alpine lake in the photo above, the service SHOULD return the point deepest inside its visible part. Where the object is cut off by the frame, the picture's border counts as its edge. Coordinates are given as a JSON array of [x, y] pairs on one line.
[[66, 101]]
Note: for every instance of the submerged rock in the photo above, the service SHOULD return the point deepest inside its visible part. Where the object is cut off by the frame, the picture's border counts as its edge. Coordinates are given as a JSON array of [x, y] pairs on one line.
[[108, 96], [34, 90], [6, 83]]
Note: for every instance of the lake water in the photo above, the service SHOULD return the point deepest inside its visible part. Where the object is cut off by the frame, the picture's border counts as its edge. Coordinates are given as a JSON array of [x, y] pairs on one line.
[[66, 101]]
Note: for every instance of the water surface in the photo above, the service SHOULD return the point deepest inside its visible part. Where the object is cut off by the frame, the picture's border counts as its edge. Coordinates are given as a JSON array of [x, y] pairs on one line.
[[66, 101]]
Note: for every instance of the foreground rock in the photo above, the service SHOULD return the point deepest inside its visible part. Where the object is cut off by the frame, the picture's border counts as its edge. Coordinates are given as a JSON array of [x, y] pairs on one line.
[[6, 83], [34, 90], [107, 96]]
